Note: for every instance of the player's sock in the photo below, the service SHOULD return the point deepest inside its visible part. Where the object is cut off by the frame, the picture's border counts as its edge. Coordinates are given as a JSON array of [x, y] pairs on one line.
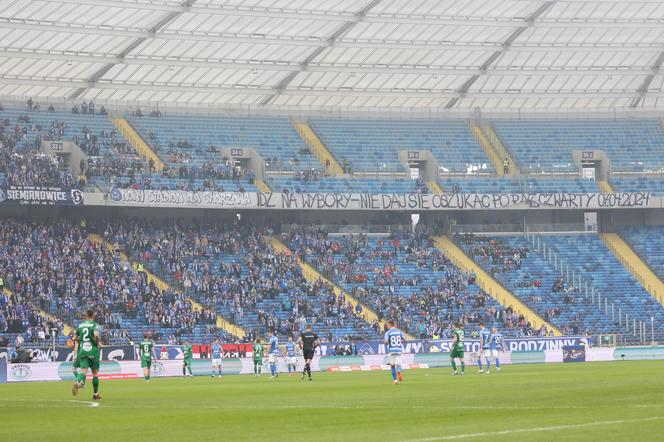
[[393, 369], [463, 366], [488, 364], [95, 385], [479, 363], [399, 375], [453, 365], [184, 371], [273, 369], [497, 363], [219, 370], [80, 378]]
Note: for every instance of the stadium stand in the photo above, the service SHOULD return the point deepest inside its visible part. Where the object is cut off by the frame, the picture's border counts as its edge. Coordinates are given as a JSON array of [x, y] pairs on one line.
[[546, 146], [402, 276], [21, 161], [538, 283], [654, 184], [78, 274], [236, 270], [347, 185], [530, 185], [22, 323], [648, 243], [372, 145], [588, 256], [197, 140]]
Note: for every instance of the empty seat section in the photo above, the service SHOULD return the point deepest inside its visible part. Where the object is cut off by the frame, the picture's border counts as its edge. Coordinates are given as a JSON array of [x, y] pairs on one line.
[[632, 145], [528, 185], [344, 185], [373, 145]]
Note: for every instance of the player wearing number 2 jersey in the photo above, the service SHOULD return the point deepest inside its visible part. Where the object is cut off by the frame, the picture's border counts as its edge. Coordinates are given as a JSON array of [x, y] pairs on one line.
[[394, 340], [86, 346]]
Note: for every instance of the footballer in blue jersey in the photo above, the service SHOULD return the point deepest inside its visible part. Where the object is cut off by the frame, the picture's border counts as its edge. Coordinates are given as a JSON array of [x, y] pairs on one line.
[[485, 343], [216, 350], [291, 356], [394, 341], [273, 353], [497, 346]]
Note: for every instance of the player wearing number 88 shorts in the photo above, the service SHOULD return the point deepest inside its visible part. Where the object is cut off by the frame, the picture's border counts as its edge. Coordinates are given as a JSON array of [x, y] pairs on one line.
[[394, 340]]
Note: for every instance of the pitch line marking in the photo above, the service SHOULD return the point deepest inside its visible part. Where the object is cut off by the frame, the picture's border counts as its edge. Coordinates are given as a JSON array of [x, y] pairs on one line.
[[537, 429], [70, 401], [88, 403]]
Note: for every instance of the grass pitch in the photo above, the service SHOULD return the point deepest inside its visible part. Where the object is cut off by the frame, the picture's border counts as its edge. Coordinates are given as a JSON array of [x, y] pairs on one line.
[[584, 402]]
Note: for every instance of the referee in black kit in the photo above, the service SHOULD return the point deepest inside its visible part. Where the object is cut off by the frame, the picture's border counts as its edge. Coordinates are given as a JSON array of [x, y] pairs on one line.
[[308, 341]]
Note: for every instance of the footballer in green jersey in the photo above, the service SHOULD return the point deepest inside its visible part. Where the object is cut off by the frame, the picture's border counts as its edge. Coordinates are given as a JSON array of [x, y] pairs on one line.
[[259, 350], [86, 347], [188, 353], [457, 349], [146, 348], [76, 364]]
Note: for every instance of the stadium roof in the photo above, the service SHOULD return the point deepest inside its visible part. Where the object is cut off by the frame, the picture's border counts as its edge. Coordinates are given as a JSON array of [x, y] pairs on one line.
[[442, 54]]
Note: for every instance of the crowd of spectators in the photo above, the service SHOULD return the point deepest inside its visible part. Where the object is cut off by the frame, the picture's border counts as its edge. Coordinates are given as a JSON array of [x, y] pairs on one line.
[[21, 160], [56, 267], [86, 108], [503, 260], [236, 270], [427, 309], [494, 254], [20, 319]]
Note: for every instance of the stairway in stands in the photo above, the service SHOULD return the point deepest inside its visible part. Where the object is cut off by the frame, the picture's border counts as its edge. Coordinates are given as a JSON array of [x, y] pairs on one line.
[[163, 285], [494, 148], [312, 275], [317, 147], [143, 148], [66, 328], [489, 284]]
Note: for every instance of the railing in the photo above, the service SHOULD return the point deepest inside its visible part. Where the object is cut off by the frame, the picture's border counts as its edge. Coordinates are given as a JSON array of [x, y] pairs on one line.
[[123, 107], [499, 145], [647, 283], [518, 228], [637, 327]]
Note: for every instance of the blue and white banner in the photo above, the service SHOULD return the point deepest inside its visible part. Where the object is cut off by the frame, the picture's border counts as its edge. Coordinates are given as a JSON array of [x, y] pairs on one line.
[[471, 345], [41, 196]]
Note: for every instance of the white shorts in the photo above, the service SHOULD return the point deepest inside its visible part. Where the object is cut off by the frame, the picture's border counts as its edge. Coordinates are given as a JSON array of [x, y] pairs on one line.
[[495, 353], [394, 359], [216, 362], [291, 360], [272, 358], [486, 353]]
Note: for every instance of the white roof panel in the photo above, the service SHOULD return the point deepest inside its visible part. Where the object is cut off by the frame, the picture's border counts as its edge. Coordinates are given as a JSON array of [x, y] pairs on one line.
[[459, 54]]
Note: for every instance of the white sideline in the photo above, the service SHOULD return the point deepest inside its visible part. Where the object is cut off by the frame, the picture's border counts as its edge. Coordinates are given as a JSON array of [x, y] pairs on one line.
[[536, 429]]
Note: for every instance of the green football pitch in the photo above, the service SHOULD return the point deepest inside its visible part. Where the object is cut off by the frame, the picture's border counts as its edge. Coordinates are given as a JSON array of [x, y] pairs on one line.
[[589, 402]]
